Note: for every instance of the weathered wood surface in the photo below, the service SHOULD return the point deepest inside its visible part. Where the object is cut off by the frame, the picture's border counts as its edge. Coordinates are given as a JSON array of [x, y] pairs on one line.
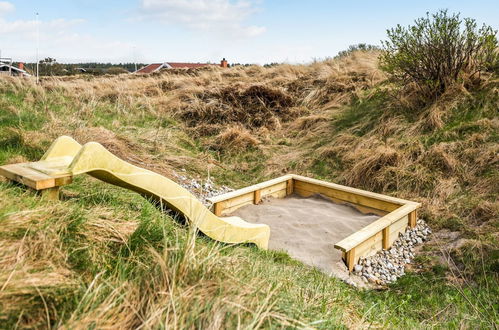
[[249, 189], [228, 203], [50, 193], [353, 196], [32, 178], [361, 208], [375, 227]]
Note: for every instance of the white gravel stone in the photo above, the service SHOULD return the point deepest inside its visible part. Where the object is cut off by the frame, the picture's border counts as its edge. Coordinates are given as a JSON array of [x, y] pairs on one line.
[[357, 268], [386, 266]]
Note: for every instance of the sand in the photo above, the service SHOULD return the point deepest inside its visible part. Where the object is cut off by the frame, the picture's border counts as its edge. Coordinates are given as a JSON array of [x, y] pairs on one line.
[[308, 228]]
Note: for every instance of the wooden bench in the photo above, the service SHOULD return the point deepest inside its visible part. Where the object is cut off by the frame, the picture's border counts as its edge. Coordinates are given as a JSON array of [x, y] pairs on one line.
[[47, 185]]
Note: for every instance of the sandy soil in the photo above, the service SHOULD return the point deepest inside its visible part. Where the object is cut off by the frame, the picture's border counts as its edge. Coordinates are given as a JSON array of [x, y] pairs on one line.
[[308, 228]]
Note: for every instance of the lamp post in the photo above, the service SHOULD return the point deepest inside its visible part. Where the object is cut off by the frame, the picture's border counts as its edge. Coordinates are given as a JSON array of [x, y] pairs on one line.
[[37, 46]]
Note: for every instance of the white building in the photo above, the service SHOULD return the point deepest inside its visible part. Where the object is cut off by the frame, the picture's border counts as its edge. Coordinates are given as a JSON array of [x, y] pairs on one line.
[[7, 69]]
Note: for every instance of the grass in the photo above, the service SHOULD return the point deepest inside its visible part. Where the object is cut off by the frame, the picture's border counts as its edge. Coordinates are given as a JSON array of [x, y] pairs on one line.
[[139, 258], [105, 257]]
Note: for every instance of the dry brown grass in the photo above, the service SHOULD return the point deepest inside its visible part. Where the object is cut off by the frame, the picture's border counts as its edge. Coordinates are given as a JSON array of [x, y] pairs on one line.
[[245, 107], [235, 139], [251, 96], [262, 122], [32, 264], [180, 284], [372, 166]]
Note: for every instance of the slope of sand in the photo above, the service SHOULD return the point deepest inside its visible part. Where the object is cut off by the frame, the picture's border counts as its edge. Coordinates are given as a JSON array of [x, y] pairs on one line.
[[308, 228]]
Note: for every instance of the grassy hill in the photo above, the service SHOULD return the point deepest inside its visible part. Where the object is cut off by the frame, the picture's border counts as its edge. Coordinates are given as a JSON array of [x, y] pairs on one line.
[[105, 257]]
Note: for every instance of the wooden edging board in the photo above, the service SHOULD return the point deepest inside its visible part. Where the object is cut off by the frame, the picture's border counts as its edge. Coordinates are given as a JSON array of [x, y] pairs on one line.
[[36, 180], [396, 213]]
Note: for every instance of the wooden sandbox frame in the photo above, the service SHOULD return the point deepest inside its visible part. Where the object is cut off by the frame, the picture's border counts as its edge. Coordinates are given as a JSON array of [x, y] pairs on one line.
[[396, 214]]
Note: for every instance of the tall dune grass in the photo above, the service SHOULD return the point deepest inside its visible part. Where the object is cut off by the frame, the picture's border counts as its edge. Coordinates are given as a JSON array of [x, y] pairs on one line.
[[105, 258]]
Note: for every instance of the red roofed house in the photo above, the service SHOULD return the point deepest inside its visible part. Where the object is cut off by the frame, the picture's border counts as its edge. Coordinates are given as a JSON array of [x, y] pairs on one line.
[[155, 67]]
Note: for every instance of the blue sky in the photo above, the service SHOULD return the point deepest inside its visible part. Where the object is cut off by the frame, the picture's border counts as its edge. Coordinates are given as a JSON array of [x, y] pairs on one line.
[[245, 31]]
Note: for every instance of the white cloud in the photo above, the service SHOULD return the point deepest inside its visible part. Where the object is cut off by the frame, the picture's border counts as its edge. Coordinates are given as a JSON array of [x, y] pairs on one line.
[[59, 38], [207, 15], [6, 7], [27, 28]]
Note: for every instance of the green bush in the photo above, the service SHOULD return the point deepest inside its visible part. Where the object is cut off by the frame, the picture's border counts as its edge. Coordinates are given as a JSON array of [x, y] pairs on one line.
[[358, 47], [116, 70], [437, 51]]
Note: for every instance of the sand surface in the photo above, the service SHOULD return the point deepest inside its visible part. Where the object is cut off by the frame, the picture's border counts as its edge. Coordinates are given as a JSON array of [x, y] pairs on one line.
[[308, 228]]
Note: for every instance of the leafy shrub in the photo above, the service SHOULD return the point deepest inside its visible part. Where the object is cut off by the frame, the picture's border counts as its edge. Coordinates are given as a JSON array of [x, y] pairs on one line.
[[116, 70], [358, 47], [437, 51], [253, 107]]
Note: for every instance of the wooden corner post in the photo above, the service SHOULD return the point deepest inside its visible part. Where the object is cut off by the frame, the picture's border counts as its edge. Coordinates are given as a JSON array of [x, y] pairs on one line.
[[386, 238], [350, 259], [217, 209], [257, 197], [412, 219], [289, 187]]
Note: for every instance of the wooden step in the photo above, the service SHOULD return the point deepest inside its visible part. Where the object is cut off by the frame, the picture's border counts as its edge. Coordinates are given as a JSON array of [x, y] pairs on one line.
[[32, 178]]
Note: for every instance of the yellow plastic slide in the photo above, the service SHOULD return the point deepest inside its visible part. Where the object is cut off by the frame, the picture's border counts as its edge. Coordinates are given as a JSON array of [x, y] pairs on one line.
[[66, 156]]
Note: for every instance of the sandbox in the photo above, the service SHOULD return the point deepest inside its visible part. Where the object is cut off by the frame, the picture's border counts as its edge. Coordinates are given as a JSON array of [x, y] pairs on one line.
[[319, 223]]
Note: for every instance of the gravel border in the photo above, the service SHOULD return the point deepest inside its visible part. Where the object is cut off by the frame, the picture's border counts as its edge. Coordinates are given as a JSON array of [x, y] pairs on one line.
[[387, 266]]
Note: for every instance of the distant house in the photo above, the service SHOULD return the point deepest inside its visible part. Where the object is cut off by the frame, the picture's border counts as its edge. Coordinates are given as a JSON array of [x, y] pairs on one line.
[[7, 69], [155, 67]]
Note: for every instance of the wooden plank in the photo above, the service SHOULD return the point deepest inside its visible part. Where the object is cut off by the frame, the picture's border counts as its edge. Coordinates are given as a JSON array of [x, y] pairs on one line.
[[375, 227], [257, 198], [289, 187], [401, 223], [305, 193], [398, 227], [218, 208], [234, 203], [27, 176], [360, 208], [229, 210], [249, 189], [377, 242], [395, 234], [413, 219], [348, 196], [267, 191], [242, 199], [63, 180], [278, 194], [351, 190], [350, 259], [370, 246], [32, 178], [386, 237]]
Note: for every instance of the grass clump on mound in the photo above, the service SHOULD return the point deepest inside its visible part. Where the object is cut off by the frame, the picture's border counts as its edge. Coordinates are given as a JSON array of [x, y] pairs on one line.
[[252, 107], [235, 139]]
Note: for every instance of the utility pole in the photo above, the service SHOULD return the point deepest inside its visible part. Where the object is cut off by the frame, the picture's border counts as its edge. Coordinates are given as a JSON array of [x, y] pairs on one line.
[[37, 46]]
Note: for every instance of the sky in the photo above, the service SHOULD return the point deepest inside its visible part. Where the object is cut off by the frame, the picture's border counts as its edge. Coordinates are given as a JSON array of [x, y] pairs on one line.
[[243, 31]]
